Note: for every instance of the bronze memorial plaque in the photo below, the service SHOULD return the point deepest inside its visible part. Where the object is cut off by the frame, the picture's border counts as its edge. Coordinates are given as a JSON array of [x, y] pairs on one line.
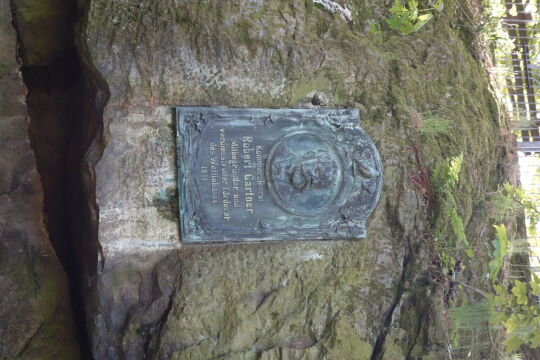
[[274, 174]]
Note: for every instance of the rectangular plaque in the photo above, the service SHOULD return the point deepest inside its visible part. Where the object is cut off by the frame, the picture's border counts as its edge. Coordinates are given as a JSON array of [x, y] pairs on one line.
[[274, 174]]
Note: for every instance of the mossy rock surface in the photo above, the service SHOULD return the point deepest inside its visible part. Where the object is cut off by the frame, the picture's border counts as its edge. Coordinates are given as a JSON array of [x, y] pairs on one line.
[[289, 300], [154, 298]]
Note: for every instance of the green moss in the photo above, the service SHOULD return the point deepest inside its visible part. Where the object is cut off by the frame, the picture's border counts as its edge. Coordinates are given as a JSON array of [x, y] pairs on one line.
[[393, 352], [314, 52], [322, 26], [348, 344], [45, 28], [4, 70], [36, 10], [166, 203], [242, 29], [417, 351], [299, 93]]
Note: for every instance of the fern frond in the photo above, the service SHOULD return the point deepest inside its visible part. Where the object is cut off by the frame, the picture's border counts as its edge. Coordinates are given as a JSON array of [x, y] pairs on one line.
[[446, 175], [456, 223], [433, 124], [454, 169]]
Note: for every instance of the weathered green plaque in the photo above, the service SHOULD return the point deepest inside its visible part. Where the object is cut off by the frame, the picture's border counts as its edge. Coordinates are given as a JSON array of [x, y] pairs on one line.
[[267, 174]]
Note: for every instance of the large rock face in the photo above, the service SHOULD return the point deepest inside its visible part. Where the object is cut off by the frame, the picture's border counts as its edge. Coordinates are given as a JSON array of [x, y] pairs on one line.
[[35, 310], [366, 299]]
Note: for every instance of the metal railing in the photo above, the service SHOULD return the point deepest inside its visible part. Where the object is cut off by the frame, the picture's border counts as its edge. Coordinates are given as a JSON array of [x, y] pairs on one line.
[[517, 70]]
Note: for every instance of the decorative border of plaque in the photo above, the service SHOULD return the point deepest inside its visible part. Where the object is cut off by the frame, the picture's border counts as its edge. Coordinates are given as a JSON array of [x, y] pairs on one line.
[[274, 174]]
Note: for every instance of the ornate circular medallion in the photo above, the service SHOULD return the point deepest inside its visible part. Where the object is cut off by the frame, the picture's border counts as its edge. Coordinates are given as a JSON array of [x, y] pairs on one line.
[[305, 173]]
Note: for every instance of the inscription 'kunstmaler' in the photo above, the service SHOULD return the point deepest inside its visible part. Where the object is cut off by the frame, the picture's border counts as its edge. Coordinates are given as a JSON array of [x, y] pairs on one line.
[[262, 174]]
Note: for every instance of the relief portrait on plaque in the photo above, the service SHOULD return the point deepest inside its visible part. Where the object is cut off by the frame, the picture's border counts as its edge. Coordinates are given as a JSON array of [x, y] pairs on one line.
[[305, 173]]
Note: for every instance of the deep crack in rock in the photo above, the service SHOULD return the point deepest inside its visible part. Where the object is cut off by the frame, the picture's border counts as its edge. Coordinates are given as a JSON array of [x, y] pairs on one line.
[[65, 102]]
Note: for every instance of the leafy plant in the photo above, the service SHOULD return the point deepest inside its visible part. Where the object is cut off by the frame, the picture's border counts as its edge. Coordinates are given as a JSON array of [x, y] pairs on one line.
[[445, 175], [513, 308], [456, 224], [448, 262], [509, 201], [444, 180], [467, 321], [409, 19], [519, 315], [500, 248], [492, 26], [375, 29]]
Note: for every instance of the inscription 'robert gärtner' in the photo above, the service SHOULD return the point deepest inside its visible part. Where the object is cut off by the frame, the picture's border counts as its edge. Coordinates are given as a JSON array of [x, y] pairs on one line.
[[235, 173]]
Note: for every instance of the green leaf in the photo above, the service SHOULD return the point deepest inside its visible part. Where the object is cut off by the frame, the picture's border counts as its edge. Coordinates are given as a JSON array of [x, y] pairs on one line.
[[398, 8], [413, 10], [394, 22], [535, 341], [499, 290], [500, 245], [374, 27], [520, 291], [512, 324], [407, 28], [457, 224], [455, 162], [422, 20], [513, 343], [439, 5], [496, 246], [494, 266], [535, 285], [503, 239]]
